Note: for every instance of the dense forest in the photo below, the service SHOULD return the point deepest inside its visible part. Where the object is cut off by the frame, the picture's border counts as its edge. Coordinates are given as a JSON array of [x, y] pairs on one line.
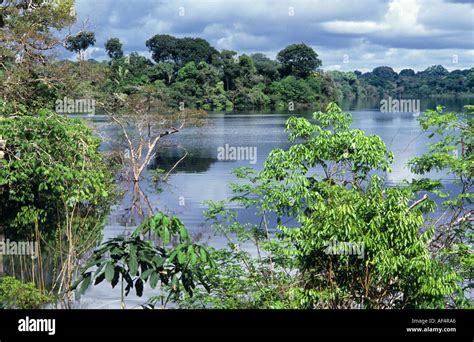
[[190, 72], [383, 81]]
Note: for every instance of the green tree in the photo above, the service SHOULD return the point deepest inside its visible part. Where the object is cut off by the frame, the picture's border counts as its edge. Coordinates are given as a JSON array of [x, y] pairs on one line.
[[314, 90], [230, 68], [195, 84], [166, 48], [80, 42], [27, 33], [178, 267], [347, 83], [16, 295], [194, 50], [131, 72], [434, 71], [188, 71], [218, 98], [384, 72], [163, 71], [266, 67], [453, 153], [55, 187], [299, 60], [113, 47], [343, 239], [407, 73], [163, 48], [247, 72], [51, 161]]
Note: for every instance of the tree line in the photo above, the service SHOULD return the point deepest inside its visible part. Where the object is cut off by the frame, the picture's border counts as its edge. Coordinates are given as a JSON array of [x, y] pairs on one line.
[[434, 81], [192, 72]]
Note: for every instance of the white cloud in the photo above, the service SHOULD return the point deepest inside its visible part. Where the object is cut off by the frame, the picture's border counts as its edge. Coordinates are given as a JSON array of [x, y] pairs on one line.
[[354, 27], [397, 33], [400, 20]]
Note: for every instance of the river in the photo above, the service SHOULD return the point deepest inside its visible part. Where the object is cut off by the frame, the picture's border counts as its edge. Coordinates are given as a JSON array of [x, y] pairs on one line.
[[202, 176]]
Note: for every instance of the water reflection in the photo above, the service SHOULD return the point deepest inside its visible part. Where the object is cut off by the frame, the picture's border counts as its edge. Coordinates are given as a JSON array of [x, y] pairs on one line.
[[450, 103], [201, 176]]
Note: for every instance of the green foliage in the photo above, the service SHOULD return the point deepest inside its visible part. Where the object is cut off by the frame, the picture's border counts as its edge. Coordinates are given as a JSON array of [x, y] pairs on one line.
[[309, 91], [114, 48], [348, 84], [81, 41], [407, 73], [198, 85], [230, 69], [130, 72], [453, 153], [175, 262], [36, 24], [385, 73], [164, 72], [16, 295], [383, 81], [166, 48], [266, 67], [162, 47], [18, 17], [246, 71], [326, 197], [299, 60], [191, 70], [434, 70], [218, 98], [52, 163]]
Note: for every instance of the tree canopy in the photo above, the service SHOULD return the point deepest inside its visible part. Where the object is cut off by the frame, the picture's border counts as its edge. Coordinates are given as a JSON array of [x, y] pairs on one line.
[[166, 48], [298, 59], [114, 48], [80, 42]]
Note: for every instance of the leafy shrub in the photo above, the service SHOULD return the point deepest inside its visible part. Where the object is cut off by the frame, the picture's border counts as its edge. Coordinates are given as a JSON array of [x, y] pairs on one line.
[[17, 295]]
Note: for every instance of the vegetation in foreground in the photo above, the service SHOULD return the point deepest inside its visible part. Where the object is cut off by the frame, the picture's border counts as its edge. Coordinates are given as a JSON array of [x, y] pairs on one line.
[[327, 190]]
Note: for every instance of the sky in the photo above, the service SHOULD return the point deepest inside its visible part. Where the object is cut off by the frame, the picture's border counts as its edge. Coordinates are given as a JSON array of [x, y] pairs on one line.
[[346, 34]]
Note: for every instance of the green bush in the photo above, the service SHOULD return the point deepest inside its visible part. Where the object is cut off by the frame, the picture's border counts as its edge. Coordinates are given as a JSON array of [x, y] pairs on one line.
[[17, 295]]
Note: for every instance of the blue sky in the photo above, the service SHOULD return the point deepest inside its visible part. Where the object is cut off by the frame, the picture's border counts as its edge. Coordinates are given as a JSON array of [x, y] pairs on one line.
[[347, 34]]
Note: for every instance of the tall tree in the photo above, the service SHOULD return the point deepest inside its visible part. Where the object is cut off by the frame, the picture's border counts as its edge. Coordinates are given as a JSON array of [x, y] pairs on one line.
[[407, 73], [299, 60], [230, 68], [434, 70], [163, 47], [247, 71], [166, 48], [452, 151], [265, 67], [194, 50], [385, 73], [55, 187], [114, 48], [27, 31], [80, 42], [163, 71]]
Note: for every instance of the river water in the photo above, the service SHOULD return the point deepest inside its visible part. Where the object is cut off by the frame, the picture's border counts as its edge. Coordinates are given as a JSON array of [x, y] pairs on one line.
[[202, 176]]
